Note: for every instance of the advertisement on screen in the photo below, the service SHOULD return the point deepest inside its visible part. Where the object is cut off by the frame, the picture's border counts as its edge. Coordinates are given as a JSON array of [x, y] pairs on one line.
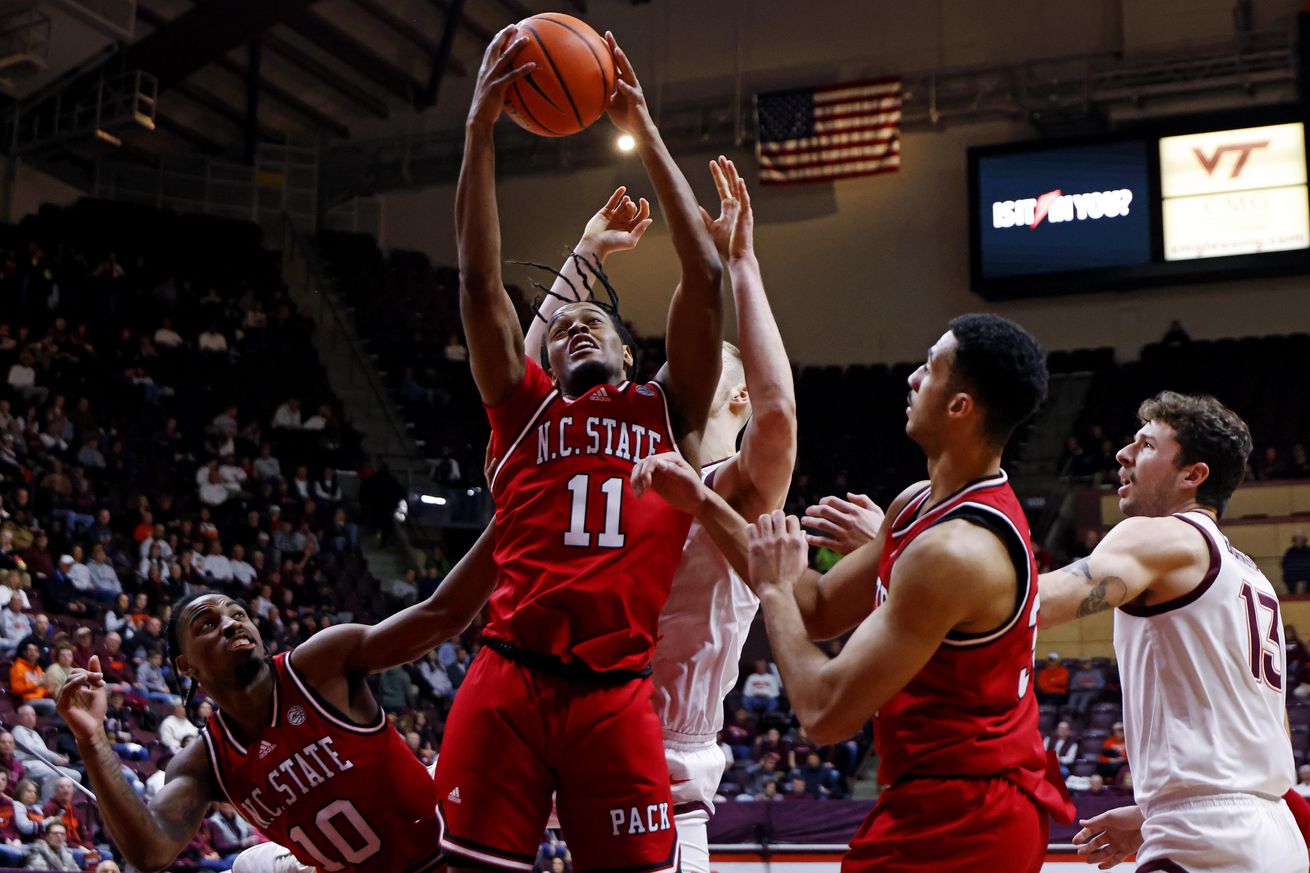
[[1234, 192], [1064, 209]]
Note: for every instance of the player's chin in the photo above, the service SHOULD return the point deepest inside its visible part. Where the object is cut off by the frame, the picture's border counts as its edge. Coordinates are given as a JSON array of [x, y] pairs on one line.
[[588, 372], [246, 665]]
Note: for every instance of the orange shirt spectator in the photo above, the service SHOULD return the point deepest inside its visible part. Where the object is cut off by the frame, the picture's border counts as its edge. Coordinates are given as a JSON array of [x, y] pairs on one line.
[[26, 678], [1053, 681]]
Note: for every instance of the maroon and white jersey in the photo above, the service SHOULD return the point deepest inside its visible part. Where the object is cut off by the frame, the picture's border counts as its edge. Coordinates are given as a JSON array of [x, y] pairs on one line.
[[340, 796], [1204, 683], [585, 564], [971, 711]]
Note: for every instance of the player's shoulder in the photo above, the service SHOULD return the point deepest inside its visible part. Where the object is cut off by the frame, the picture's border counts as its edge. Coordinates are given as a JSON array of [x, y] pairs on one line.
[[1166, 540], [952, 550]]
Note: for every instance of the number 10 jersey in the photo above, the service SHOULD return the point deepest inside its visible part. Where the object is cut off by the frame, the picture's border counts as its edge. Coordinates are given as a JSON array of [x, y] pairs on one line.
[[585, 565]]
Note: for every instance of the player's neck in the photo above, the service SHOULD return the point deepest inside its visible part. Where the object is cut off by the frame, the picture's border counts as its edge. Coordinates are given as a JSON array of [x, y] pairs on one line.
[[248, 708], [1192, 505], [953, 469], [719, 441]]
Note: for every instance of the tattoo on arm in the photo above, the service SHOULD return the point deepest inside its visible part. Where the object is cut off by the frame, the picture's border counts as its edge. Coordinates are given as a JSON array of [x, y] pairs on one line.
[[1107, 592]]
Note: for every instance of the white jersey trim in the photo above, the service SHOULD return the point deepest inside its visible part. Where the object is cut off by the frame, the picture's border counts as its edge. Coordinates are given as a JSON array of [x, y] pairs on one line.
[[218, 769], [527, 428], [312, 698], [950, 503], [668, 417]]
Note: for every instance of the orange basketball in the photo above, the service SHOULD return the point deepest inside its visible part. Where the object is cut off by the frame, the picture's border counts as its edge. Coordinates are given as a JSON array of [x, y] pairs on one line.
[[573, 80]]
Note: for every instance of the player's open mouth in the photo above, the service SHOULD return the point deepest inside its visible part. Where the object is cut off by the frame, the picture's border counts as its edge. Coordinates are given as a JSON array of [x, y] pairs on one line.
[[582, 343], [240, 643]]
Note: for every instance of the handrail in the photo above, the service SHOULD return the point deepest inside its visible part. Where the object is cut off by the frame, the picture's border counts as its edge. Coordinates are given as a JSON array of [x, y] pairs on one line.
[[328, 311]]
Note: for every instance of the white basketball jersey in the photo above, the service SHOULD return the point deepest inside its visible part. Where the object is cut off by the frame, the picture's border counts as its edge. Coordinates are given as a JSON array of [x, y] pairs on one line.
[[1203, 683], [701, 633]]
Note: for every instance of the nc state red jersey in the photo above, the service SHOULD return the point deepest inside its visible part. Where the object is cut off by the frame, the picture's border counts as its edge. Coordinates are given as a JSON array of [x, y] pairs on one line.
[[971, 711], [340, 796], [585, 565]]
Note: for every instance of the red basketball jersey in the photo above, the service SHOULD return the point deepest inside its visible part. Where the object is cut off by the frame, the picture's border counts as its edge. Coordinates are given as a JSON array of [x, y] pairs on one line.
[[585, 565], [340, 796], [971, 711]]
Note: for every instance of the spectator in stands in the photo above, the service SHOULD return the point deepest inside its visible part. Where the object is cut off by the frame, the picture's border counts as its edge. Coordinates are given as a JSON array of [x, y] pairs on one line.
[[27, 680], [243, 573], [150, 679], [1299, 465], [395, 690], [1270, 466], [1065, 746], [62, 594], [27, 803], [15, 626], [821, 780], [26, 741], [37, 558], [104, 577], [217, 567], [61, 809], [287, 416], [22, 378], [43, 636], [1113, 757], [9, 762], [118, 727], [214, 491], [1053, 681], [230, 833], [90, 456], [761, 690], [14, 828], [165, 337], [59, 671], [1296, 565], [1085, 686], [175, 727], [1296, 652], [327, 490], [433, 674], [109, 865], [51, 851], [82, 648]]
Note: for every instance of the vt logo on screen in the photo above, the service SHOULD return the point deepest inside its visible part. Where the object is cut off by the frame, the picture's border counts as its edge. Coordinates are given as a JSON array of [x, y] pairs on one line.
[[1058, 207], [1243, 150]]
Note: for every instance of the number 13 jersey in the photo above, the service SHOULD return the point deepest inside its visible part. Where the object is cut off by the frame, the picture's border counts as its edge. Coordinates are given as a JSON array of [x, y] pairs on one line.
[[1204, 683], [585, 565]]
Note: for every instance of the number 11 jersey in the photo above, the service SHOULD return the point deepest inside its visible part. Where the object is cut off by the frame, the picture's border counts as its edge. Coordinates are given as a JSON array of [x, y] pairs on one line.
[[585, 565]]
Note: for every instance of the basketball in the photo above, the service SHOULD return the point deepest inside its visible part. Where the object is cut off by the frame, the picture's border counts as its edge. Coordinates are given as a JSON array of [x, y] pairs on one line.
[[573, 80]]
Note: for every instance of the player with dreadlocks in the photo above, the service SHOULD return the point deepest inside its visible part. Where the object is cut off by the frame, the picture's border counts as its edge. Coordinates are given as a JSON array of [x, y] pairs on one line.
[[298, 744], [561, 695]]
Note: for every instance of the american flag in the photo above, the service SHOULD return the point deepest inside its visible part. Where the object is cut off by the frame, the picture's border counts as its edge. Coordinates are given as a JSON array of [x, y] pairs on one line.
[[821, 134]]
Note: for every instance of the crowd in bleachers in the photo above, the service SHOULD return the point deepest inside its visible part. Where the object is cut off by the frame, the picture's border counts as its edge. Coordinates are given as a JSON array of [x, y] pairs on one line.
[[164, 426]]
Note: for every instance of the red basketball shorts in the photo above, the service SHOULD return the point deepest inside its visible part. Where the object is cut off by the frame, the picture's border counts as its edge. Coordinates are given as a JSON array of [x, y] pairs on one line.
[[923, 825], [515, 736]]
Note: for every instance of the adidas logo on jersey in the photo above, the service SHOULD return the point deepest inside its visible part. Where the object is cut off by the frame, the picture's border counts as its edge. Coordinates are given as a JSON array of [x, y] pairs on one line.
[[602, 395], [265, 748], [453, 796]]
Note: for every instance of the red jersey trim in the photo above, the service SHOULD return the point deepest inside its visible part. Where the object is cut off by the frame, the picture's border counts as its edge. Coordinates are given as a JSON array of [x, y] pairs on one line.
[[527, 428], [1216, 562], [980, 484], [1023, 593], [326, 710], [218, 768]]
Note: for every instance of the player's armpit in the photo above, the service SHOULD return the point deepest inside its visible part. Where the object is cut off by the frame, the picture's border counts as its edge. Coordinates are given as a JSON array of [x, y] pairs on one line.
[[1136, 557], [925, 601]]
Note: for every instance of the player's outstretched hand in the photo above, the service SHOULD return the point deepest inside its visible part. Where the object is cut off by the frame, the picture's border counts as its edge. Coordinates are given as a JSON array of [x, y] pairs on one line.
[[843, 525], [627, 107], [722, 228], [83, 702], [495, 76], [672, 478], [618, 226], [777, 554], [1110, 837]]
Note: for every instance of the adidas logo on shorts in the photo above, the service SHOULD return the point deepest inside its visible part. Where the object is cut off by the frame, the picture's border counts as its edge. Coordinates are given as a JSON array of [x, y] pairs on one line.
[[453, 796]]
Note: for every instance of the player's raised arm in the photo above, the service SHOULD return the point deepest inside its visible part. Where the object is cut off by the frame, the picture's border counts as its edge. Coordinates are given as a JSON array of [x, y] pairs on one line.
[[695, 325], [1137, 554], [756, 480], [357, 650], [833, 697], [616, 227], [495, 338], [150, 837]]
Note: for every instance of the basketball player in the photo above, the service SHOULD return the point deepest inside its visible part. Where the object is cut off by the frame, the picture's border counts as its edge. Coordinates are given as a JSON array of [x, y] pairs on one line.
[[559, 700], [1197, 633], [944, 602], [298, 745], [710, 609]]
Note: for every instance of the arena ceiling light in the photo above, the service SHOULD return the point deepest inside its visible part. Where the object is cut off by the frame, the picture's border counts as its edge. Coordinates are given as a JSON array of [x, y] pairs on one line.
[[626, 143]]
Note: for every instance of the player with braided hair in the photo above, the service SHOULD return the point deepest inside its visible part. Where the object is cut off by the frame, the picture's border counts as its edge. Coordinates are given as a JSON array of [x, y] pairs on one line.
[[298, 739]]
